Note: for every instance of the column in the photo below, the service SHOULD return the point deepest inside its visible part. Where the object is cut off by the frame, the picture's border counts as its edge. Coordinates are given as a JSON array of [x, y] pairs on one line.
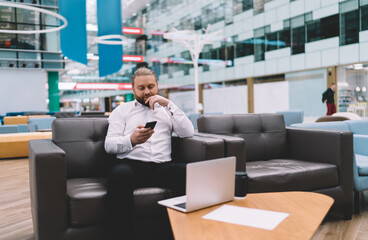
[[54, 98], [200, 99], [250, 86]]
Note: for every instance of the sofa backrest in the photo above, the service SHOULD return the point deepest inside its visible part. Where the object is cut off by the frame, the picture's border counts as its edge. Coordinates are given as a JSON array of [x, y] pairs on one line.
[[83, 140], [335, 125], [358, 126], [264, 134], [292, 116], [9, 129], [42, 122], [15, 120]]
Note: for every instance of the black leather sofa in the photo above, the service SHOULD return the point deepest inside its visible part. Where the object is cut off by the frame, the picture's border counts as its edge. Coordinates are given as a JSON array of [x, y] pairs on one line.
[[280, 158], [68, 182]]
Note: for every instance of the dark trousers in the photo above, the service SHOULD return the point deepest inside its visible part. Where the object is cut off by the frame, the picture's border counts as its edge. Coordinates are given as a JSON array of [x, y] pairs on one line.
[[129, 175], [331, 108]]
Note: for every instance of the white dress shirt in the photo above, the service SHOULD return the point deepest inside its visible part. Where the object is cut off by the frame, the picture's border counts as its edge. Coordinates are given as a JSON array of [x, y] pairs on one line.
[[127, 116]]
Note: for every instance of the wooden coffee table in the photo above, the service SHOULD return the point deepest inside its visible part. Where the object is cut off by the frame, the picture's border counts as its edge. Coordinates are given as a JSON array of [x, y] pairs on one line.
[[306, 210]]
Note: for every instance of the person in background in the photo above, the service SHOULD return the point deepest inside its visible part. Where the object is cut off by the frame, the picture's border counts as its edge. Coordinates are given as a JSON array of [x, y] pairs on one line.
[[144, 153], [328, 97]]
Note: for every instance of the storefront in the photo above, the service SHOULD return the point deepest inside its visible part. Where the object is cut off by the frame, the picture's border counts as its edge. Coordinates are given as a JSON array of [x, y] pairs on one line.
[[352, 89]]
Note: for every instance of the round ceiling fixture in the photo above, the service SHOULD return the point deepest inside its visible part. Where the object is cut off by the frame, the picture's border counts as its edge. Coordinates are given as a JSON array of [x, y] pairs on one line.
[[36, 9], [107, 39]]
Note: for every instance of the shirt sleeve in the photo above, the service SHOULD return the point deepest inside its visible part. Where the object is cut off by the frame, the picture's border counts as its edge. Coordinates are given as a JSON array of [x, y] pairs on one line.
[[116, 142], [182, 126]]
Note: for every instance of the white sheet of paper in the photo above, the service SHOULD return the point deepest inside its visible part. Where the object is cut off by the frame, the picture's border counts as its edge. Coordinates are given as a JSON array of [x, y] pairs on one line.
[[247, 216]]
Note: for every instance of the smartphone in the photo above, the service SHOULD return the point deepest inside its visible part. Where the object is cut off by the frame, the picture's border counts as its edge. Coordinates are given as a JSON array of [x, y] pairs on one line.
[[150, 125]]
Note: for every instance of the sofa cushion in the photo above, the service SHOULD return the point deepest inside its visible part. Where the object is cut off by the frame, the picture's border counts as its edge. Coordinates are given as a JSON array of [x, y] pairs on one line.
[[362, 164], [87, 200], [290, 175]]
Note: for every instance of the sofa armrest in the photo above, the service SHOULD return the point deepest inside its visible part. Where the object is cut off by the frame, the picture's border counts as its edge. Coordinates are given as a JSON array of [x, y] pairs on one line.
[[234, 146], [47, 174], [319, 145], [361, 144], [196, 148], [327, 146]]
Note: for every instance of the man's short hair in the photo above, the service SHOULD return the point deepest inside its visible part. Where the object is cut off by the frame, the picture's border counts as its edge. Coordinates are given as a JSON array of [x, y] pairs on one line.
[[333, 84], [143, 72]]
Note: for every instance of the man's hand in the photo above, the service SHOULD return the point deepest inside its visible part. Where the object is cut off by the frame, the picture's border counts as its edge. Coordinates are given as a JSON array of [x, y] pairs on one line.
[[325, 101], [140, 135], [157, 99]]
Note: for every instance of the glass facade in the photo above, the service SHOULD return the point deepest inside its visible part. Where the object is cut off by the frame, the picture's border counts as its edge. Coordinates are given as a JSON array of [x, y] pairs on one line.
[[30, 50], [295, 33]]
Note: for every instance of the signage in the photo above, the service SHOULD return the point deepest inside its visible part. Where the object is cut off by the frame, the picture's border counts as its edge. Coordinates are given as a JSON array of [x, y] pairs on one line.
[[131, 58], [130, 30], [95, 86]]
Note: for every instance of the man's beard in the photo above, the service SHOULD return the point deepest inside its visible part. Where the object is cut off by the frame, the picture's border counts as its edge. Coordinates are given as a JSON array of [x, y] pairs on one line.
[[142, 101]]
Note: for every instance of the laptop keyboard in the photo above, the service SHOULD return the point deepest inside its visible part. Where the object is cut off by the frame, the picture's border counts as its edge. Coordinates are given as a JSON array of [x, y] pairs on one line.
[[181, 205]]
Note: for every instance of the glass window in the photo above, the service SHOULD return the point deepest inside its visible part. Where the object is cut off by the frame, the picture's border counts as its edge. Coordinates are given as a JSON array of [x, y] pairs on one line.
[[349, 27], [197, 23], [323, 28], [7, 14], [186, 67], [349, 22], [28, 41], [228, 12], [49, 20], [259, 44], [364, 17], [284, 38], [219, 11], [238, 6], [330, 26], [298, 36], [244, 48], [258, 6], [314, 31], [8, 40], [214, 54], [26, 16], [271, 41], [229, 51], [50, 2]]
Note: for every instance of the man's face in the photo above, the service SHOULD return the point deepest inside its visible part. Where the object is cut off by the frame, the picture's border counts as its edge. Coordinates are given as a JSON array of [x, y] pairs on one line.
[[144, 87], [333, 87]]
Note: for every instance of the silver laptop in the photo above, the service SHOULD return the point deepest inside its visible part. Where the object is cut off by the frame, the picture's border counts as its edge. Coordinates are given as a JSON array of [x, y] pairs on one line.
[[208, 183]]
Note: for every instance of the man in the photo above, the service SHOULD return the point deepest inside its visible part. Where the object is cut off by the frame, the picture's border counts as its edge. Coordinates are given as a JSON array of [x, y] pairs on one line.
[[145, 153], [329, 99]]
